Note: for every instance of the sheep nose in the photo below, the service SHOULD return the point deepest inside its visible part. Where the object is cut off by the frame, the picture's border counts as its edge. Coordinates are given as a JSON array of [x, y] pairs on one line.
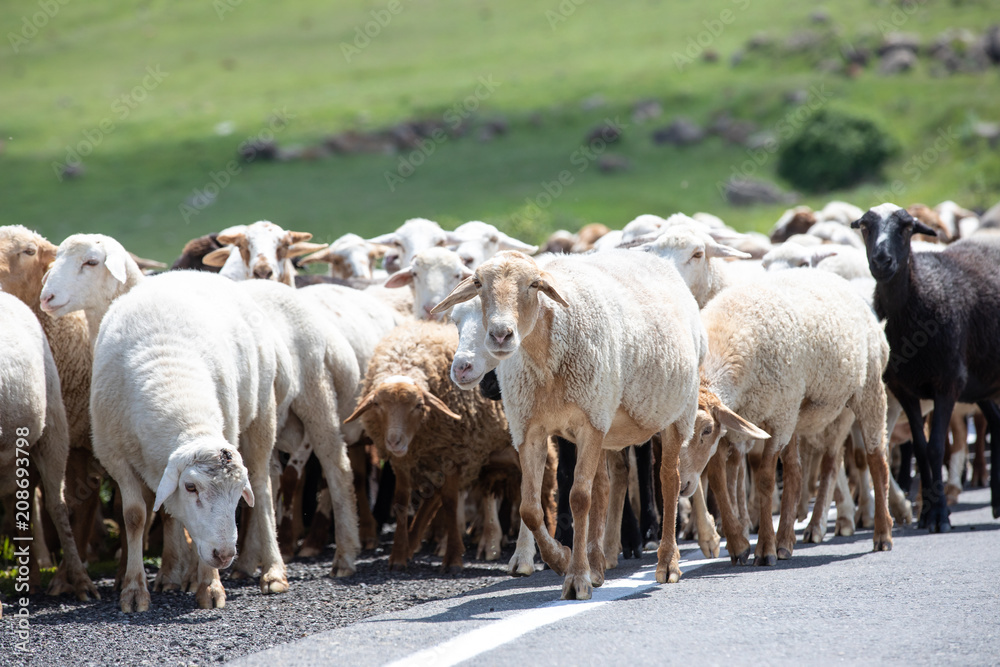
[[501, 336], [392, 439], [427, 311], [684, 489], [223, 556], [462, 368], [263, 272]]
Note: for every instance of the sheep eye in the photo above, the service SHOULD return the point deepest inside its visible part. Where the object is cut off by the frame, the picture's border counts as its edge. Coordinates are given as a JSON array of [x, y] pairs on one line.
[[707, 431], [90, 262], [29, 252], [698, 254], [535, 285], [191, 488], [477, 284]]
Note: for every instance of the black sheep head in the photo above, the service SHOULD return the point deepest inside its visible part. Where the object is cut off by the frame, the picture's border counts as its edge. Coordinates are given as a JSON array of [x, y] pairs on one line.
[[887, 230]]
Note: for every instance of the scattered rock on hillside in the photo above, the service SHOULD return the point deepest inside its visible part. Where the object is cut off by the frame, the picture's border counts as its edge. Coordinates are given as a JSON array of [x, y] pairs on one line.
[[895, 41], [733, 130], [609, 164], [820, 16], [644, 110], [988, 131], [607, 132], [897, 61], [748, 191], [991, 43], [259, 149], [681, 132]]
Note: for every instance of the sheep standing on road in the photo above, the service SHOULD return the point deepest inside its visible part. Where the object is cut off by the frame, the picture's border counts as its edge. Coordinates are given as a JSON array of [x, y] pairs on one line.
[[33, 428], [603, 350], [185, 390], [942, 313]]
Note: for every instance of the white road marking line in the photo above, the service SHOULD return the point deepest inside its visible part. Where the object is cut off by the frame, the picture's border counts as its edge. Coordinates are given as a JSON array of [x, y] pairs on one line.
[[493, 635]]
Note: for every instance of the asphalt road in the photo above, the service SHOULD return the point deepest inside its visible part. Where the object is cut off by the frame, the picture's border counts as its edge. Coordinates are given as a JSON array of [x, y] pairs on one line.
[[934, 599]]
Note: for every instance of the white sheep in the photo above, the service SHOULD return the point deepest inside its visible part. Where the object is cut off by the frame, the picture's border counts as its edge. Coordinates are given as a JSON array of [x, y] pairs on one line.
[[602, 349], [186, 384], [432, 275], [837, 233], [415, 235], [33, 428], [350, 256], [787, 353], [266, 251], [484, 241]]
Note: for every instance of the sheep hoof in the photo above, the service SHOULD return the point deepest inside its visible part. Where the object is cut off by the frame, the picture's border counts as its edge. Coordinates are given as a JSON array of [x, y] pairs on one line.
[[784, 554], [273, 583], [134, 599], [577, 587], [237, 575], [741, 558], [211, 596], [951, 493], [812, 535], [935, 519], [308, 551], [996, 512], [520, 567], [451, 569], [768, 560], [883, 544], [166, 588], [710, 547], [845, 527]]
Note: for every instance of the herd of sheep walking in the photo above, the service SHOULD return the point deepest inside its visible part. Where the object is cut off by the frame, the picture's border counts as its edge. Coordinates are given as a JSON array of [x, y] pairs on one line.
[[467, 386]]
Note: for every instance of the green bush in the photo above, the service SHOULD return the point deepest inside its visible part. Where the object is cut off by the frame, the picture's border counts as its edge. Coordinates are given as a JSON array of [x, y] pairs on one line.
[[834, 150]]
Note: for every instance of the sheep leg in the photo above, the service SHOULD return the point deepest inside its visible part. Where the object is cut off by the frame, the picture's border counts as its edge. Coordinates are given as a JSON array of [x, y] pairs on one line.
[[708, 537], [49, 455], [577, 584], [550, 505], [754, 508], [736, 542], [319, 529], [211, 594], [532, 455], [816, 529], [668, 556], [256, 442], [367, 532], [810, 469], [489, 542], [930, 456], [865, 515], [331, 450], [736, 474], [564, 482], [83, 484], [869, 407], [763, 477], [401, 508], [992, 414], [979, 465], [599, 518], [176, 554], [426, 513], [792, 475], [649, 523], [134, 594], [616, 506], [449, 508], [845, 502], [290, 488], [522, 563], [957, 455]]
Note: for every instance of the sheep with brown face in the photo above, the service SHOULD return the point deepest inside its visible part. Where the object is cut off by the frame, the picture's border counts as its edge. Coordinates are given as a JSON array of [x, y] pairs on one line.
[[265, 250]]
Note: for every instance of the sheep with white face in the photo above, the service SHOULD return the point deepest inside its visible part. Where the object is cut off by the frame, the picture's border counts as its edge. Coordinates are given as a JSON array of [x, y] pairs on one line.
[[349, 257], [415, 235], [485, 240], [266, 251], [433, 274]]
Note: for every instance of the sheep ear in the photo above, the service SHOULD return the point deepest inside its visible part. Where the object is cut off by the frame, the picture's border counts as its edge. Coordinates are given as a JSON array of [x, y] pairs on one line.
[[921, 228], [168, 484], [318, 256], [229, 239], [115, 263], [297, 237], [248, 493], [719, 250], [302, 248], [385, 239], [217, 258], [820, 255], [548, 289], [380, 249], [401, 278], [465, 291], [736, 424], [508, 243], [363, 407], [439, 405], [856, 224]]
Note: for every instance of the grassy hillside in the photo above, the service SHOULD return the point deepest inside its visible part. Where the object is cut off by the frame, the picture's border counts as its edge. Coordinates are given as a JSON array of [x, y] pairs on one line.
[[165, 94]]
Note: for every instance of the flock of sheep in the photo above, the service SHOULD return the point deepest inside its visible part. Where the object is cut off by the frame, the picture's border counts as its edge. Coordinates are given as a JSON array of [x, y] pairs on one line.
[[453, 382]]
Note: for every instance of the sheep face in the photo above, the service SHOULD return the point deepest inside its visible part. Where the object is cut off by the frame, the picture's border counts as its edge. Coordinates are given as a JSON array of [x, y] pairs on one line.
[[24, 258], [714, 420], [887, 230], [433, 274], [416, 235], [266, 250], [86, 273], [690, 252], [471, 361], [484, 241], [201, 487], [395, 409], [349, 257]]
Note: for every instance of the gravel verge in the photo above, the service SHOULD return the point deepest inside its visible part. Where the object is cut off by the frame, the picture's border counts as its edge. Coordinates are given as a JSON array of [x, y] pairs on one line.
[[175, 632]]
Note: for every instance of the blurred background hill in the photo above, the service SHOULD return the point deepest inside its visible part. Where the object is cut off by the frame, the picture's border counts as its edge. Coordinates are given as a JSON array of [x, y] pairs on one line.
[[159, 121]]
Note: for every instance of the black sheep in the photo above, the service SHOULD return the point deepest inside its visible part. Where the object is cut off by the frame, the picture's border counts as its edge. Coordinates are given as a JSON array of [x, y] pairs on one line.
[[942, 313]]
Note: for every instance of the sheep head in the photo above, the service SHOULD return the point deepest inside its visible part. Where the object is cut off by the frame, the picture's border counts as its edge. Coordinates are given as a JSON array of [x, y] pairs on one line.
[[471, 361], [887, 230], [24, 258], [201, 486], [509, 285], [266, 250], [88, 272], [350, 256], [714, 420], [690, 252], [433, 274], [415, 235], [395, 409]]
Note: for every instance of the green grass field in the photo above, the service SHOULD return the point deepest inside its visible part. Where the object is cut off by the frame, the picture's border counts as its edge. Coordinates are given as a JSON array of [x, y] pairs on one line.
[[240, 62]]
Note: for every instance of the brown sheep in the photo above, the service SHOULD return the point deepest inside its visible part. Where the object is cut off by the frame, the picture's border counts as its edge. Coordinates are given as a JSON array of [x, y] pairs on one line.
[[437, 436]]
